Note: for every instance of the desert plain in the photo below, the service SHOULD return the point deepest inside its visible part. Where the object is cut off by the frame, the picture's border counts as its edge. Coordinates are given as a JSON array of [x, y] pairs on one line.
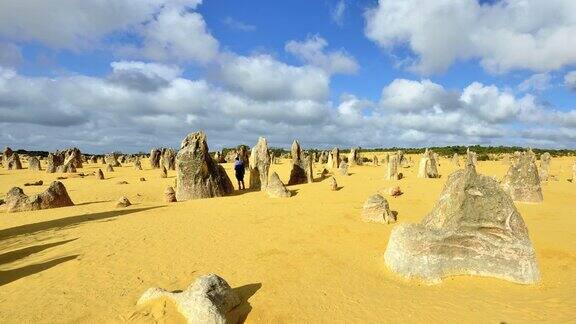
[[304, 259]]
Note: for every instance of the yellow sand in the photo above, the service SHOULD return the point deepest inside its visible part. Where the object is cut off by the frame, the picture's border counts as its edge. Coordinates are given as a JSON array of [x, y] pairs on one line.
[[305, 259]]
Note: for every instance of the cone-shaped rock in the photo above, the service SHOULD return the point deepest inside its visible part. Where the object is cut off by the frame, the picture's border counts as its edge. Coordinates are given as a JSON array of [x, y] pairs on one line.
[[169, 195], [259, 165], [168, 159], [456, 160], [53, 197], [474, 229], [163, 171], [198, 175], [376, 209], [123, 202], [522, 182], [109, 168], [277, 189], [99, 174], [343, 168]]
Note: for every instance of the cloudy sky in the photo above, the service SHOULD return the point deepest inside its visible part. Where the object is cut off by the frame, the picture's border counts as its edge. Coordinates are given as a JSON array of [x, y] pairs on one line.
[[128, 75]]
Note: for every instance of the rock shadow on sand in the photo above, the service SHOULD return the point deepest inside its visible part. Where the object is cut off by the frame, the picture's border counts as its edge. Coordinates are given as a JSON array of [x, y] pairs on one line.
[[8, 276], [244, 292], [66, 222]]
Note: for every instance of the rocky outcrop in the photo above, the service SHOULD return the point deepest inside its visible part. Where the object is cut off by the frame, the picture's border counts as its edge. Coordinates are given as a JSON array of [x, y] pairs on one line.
[[471, 157], [11, 160], [209, 300], [198, 175], [522, 182], [34, 164], [392, 168], [277, 189], [137, 164], [169, 195], [343, 168], [376, 209], [112, 159], [168, 159], [333, 159], [99, 174], [544, 171], [456, 160], [353, 157], [333, 184], [259, 165], [298, 174], [154, 159], [428, 168], [123, 202], [53, 197], [163, 172], [473, 229], [109, 168]]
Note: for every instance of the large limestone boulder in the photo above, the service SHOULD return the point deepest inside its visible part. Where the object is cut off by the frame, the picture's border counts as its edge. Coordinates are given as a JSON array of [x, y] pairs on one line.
[[376, 209], [277, 189], [545, 159], [298, 174], [428, 167], [208, 300], [473, 229], [522, 182], [53, 197], [259, 165], [343, 168], [154, 159], [197, 174], [34, 164]]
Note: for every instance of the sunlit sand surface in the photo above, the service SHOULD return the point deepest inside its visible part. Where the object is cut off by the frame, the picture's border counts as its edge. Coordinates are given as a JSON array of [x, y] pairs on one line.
[[308, 258]]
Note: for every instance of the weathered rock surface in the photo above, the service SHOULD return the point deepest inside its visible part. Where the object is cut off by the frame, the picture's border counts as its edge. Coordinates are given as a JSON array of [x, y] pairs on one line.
[[298, 173], [112, 159], [155, 158], [343, 168], [471, 157], [198, 175], [544, 171], [99, 174], [168, 159], [137, 164], [259, 165], [333, 159], [109, 168], [12, 161], [169, 195], [473, 229], [375, 161], [456, 160], [376, 209], [522, 182], [34, 164], [428, 168], [208, 300], [123, 202], [392, 168], [353, 157], [163, 171], [53, 197], [333, 184], [277, 189]]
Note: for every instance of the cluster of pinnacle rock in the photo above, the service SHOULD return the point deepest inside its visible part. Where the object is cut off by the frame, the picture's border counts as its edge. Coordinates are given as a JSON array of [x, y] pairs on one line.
[[473, 229]]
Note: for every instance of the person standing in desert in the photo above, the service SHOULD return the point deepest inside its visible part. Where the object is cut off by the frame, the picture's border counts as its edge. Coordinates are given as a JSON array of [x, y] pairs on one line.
[[239, 169]]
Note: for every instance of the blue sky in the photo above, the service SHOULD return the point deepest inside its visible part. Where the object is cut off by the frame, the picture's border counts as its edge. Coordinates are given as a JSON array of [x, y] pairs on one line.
[[129, 75]]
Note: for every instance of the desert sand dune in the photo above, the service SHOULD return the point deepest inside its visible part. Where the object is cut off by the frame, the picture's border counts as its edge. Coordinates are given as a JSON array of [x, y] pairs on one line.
[[306, 259]]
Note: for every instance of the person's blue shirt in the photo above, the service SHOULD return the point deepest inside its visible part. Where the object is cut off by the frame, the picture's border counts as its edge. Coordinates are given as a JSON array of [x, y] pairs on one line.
[[239, 167]]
